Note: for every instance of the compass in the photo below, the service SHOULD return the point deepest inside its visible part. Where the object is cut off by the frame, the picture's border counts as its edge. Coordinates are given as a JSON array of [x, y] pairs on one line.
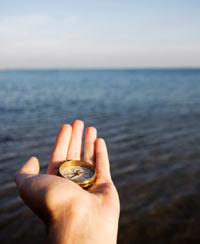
[[80, 172]]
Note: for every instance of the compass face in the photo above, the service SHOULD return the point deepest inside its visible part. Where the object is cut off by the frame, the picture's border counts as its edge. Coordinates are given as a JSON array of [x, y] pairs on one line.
[[81, 172], [77, 173]]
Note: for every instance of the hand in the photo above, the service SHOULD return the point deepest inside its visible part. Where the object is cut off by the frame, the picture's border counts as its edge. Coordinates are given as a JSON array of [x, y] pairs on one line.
[[72, 214]]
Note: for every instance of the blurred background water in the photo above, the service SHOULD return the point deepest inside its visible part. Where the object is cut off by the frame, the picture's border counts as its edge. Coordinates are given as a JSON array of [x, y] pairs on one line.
[[150, 120]]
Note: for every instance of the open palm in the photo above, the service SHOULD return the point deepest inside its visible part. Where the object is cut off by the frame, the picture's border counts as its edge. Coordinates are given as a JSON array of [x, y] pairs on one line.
[[59, 201]]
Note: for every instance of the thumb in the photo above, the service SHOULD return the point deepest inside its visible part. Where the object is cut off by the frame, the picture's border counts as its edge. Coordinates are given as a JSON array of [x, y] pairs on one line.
[[31, 167]]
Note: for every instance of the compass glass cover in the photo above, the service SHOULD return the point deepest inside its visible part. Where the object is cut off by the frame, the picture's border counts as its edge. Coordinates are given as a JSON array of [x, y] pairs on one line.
[[77, 173]]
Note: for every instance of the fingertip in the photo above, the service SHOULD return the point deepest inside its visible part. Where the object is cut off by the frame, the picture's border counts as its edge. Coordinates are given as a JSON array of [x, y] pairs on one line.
[[100, 140], [91, 131], [64, 132], [100, 144], [33, 158], [92, 128], [66, 127], [78, 123], [30, 167]]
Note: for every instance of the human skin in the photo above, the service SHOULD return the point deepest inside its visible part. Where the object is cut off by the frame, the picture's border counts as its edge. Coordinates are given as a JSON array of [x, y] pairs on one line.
[[72, 214]]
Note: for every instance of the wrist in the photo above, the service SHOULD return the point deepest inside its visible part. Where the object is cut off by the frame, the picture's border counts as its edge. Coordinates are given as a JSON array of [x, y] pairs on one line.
[[81, 228]]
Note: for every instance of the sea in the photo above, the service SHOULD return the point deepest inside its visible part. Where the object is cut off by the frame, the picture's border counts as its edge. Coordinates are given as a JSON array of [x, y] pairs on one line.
[[150, 119]]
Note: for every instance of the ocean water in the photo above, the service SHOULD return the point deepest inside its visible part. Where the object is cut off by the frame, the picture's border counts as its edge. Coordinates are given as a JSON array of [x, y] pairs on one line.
[[150, 120]]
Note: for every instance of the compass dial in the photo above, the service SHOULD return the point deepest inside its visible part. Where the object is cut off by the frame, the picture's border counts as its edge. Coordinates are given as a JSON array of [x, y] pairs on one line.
[[81, 172]]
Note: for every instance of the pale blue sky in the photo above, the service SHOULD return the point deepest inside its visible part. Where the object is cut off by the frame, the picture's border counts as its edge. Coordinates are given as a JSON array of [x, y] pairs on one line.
[[99, 34]]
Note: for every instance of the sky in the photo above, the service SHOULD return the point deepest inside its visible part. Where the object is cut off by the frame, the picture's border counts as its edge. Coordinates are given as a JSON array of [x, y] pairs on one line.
[[99, 34]]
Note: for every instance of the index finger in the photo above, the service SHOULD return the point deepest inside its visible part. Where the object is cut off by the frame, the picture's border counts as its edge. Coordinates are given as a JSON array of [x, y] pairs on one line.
[[59, 153]]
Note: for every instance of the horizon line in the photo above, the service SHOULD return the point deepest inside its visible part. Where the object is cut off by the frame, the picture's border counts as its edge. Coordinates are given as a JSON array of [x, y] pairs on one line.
[[100, 68]]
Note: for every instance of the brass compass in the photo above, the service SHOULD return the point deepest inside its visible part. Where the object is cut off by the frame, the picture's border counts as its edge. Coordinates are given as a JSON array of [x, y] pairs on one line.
[[80, 172]]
